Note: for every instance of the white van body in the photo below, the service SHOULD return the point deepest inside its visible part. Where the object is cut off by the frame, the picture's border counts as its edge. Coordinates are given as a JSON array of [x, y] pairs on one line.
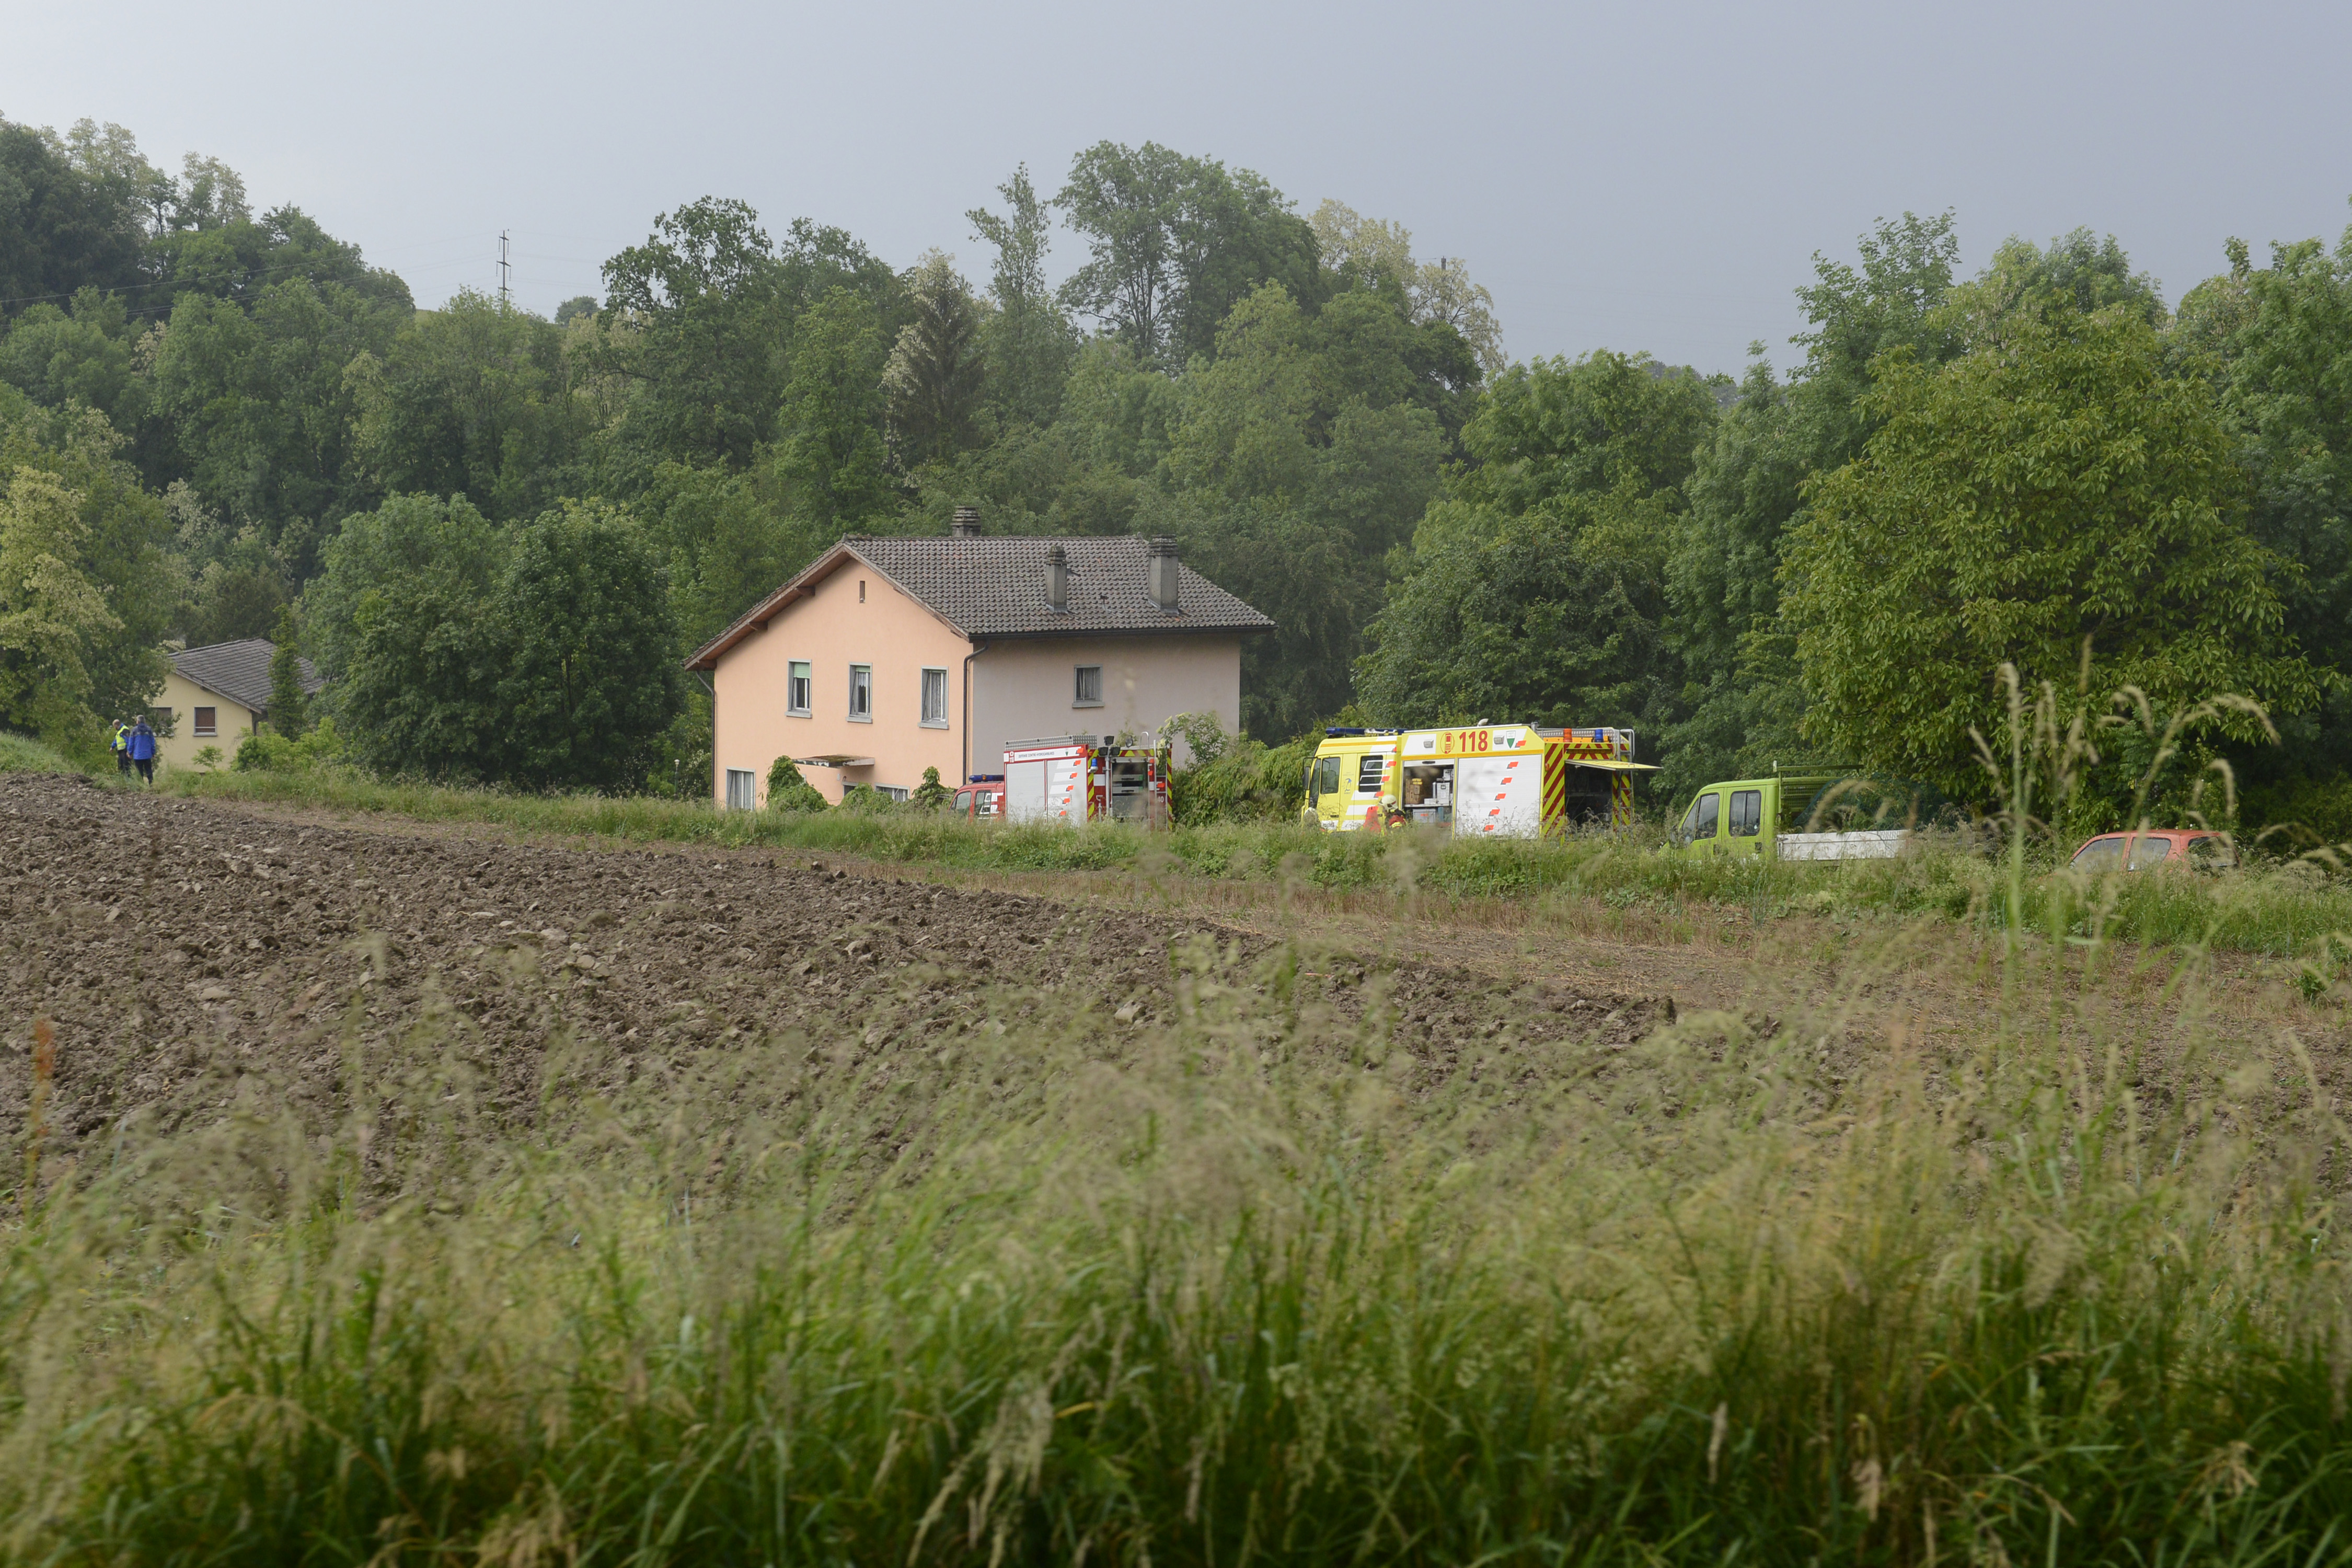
[[1046, 781]]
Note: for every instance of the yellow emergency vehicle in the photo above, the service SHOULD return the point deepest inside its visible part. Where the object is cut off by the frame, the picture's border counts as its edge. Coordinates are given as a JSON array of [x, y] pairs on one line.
[[1512, 781]]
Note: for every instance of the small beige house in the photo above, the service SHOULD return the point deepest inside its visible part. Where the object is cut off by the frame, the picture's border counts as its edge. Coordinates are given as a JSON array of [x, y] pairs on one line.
[[889, 656], [217, 696]]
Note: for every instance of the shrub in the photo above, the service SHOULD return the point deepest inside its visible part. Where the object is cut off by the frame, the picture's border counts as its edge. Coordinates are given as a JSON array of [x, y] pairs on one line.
[[24, 755], [866, 800], [268, 751], [787, 791], [1237, 779]]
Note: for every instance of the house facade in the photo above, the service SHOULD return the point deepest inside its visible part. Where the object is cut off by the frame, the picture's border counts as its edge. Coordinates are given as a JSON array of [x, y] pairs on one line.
[[890, 655], [215, 696]]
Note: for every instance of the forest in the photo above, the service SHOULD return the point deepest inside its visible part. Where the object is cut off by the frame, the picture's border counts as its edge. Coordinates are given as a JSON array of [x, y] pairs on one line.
[[219, 424]]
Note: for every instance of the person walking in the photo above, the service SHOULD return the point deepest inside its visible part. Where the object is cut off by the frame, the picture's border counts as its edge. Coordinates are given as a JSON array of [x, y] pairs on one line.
[[121, 748], [142, 749]]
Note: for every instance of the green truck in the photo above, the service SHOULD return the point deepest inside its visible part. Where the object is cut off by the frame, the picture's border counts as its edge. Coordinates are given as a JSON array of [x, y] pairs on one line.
[[1800, 816]]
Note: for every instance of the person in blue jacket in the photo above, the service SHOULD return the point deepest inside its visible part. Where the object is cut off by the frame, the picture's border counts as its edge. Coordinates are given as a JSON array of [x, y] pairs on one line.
[[142, 749]]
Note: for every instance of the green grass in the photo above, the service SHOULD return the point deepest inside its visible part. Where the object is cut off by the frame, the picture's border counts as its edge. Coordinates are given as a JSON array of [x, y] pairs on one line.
[[2288, 910], [23, 755], [1234, 1286]]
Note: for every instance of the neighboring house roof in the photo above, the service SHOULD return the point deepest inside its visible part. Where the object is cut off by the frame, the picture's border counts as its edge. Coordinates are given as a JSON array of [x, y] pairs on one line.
[[995, 587], [240, 670]]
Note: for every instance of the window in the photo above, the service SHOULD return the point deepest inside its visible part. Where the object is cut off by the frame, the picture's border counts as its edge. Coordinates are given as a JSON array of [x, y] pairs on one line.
[[742, 790], [207, 721], [1326, 776], [1089, 687], [861, 590], [861, 694], [1368, 775], [2211, 854], [2146, 852], [1746, 811], [2099, 855], [796, 689], [1700, 821], [891, 792], [935, 699]]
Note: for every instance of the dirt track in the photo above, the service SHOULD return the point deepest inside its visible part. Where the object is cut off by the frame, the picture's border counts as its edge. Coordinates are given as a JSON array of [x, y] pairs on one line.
[[195, 958]]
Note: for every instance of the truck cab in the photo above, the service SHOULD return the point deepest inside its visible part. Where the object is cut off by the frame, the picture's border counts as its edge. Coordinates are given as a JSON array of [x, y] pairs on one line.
[[1798, 816], [1511, 781], [983, 799], [1350, 781], [1728, 818]]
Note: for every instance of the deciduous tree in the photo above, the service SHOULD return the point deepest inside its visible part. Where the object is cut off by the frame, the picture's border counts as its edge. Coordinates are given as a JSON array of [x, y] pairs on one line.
[[830, 455], [49, 610], [2051, 485], [1537, 588], [1029, 341], [1175, 243], [594, 680]]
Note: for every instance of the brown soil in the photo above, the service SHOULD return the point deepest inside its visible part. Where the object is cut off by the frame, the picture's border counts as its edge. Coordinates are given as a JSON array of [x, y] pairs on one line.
[[198, 958]]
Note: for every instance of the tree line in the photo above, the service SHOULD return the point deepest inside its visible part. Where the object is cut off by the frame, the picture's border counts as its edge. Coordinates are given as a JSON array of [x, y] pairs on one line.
[[499, 531]]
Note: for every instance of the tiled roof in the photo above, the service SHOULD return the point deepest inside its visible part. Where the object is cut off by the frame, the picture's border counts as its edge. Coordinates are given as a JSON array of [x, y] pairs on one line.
[[987, 586], [239, 670]]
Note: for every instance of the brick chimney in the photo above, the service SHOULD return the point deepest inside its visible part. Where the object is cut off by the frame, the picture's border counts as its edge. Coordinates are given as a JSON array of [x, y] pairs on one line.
[[1161, 573], [965, 524], [1058, 578]]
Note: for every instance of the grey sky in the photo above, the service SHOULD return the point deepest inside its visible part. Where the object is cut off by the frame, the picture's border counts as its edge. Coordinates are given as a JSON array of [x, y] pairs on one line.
[[1623, 175]]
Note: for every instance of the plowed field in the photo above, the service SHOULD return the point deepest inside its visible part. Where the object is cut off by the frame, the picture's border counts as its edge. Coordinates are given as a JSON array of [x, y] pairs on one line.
[[197, 961]]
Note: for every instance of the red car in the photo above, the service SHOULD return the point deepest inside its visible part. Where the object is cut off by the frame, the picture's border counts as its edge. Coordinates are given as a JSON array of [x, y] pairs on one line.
[[2147, 848]]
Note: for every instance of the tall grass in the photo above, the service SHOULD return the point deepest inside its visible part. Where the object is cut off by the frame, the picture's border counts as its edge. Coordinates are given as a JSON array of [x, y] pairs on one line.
[[1246, 1281], [24, 755]]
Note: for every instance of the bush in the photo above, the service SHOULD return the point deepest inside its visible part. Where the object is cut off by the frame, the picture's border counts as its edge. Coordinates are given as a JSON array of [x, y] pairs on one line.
[[787, 791], [1242, 780], [930, 794], [866, 800], [24, 755], [268, 751]]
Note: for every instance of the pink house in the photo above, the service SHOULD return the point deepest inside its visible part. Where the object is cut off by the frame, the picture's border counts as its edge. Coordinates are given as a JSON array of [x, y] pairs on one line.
[[889, 656]]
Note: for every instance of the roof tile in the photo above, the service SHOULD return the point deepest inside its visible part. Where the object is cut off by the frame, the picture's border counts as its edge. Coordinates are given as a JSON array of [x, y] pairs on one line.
[[239, 670], [988, 586]]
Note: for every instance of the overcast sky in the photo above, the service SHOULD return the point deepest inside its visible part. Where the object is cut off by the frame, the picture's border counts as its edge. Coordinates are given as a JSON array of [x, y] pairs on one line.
[[1634, 176]]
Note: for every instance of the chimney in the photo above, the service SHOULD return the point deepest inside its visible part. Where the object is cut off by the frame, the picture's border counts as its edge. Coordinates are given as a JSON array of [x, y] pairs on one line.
[[966, 524], [1058, 578], [1161, 573]]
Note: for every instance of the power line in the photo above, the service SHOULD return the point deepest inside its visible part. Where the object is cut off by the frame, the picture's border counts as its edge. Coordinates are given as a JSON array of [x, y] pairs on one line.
[[506, 273]]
